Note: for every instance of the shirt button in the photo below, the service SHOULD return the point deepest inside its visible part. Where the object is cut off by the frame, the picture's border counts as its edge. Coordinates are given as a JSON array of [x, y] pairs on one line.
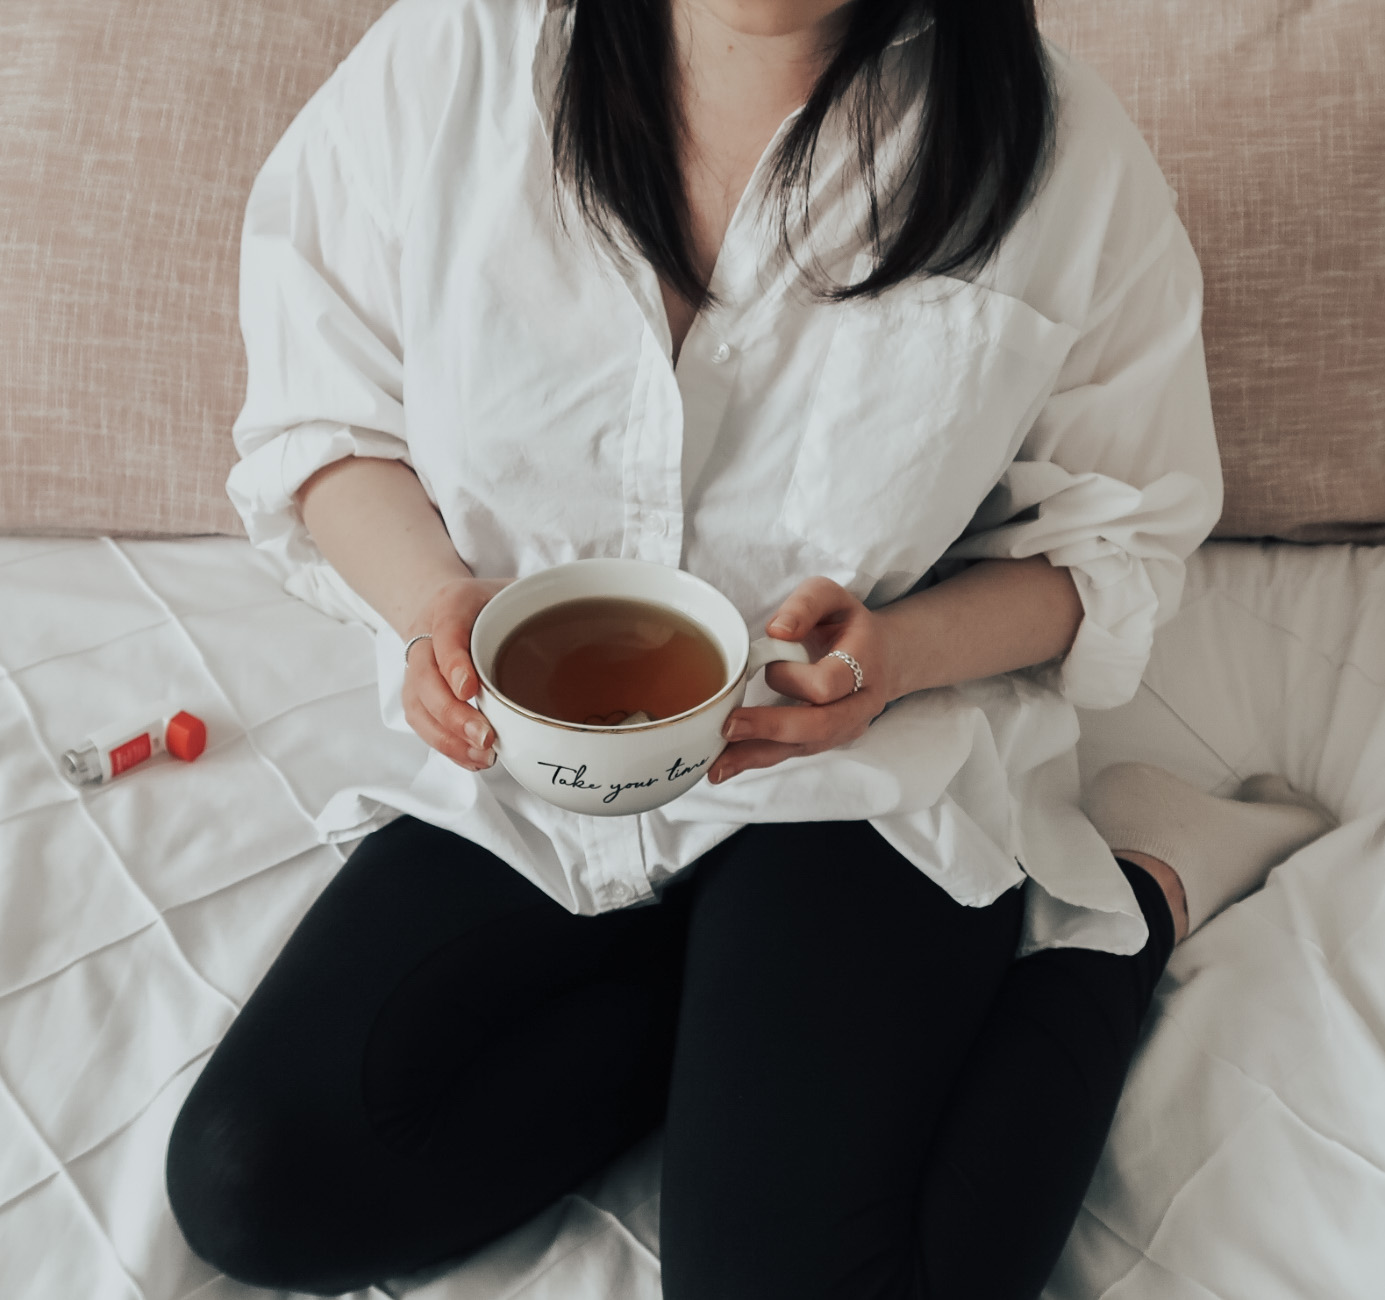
[[658, 525], [722, 353], [619, 893]]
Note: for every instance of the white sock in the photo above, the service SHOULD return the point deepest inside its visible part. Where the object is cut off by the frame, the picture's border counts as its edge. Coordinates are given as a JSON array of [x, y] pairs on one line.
[[1222, 849]]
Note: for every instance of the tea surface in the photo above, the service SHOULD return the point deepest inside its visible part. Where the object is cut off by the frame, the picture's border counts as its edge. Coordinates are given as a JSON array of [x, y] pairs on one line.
[[600, 660]]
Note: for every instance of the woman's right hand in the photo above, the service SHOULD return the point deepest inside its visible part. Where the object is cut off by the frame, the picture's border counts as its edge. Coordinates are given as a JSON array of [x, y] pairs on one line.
[[439, 677]]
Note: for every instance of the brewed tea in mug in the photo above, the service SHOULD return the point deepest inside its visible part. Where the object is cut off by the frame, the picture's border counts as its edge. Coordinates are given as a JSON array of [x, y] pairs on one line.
[[604, 661]]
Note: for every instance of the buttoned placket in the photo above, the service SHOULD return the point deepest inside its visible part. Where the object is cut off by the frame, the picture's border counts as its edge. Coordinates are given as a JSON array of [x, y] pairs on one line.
[[676, 414], [669, 409], [613, 866]]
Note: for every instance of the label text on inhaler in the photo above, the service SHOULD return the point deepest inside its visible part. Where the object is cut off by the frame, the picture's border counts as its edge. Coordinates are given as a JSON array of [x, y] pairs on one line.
[[131, 752]]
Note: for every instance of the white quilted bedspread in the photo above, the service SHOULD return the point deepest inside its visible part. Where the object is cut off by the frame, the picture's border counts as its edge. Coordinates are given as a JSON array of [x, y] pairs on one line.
[[1247, 1160]]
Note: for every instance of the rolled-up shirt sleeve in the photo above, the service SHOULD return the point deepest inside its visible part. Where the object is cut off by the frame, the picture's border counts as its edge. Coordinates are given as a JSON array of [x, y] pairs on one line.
[[320, 308], [1119, 479]]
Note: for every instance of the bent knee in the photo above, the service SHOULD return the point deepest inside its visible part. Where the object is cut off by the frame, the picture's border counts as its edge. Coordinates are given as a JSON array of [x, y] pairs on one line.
[[235, 1179]]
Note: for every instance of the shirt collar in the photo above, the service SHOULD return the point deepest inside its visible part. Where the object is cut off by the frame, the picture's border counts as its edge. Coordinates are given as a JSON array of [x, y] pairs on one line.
[[550, 51]]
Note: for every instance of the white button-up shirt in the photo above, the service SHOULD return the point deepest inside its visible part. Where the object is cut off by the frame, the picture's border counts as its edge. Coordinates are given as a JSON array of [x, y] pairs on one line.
[[409, 292]]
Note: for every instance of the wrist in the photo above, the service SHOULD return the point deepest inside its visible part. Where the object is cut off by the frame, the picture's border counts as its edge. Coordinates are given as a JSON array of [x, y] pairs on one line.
[[417, 606], [907, 638]]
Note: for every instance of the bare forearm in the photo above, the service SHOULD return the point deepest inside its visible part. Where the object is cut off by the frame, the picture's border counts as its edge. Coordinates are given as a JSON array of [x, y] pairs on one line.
[[373, 521], [991, 618]]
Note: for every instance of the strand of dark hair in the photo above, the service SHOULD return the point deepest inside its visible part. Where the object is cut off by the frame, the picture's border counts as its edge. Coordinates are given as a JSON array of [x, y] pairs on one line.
[[984, 134]]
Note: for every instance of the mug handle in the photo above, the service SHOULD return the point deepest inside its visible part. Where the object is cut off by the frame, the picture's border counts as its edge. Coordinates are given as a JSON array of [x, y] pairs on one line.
[[769, 650]]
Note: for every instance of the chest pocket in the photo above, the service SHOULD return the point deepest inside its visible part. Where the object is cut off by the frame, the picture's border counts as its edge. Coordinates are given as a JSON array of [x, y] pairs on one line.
[[923, 400]]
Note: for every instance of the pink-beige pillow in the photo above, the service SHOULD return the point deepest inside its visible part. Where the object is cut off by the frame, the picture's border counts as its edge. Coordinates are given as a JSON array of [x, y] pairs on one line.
[[130, 131], [1268, 117]]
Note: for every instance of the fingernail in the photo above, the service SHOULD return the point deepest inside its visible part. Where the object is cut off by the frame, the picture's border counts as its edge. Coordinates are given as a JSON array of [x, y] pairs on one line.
[[483, 756], [782, 625], [735, 729], [478, 733], [459, 683]]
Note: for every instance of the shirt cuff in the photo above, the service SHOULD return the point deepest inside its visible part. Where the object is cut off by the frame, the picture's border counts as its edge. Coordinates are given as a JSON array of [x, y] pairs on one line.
[[1124, 547], [261, 487], [1120, 610]]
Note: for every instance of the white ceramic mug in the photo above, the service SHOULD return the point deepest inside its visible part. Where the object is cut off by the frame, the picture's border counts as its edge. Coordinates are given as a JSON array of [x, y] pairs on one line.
[[608, 771]]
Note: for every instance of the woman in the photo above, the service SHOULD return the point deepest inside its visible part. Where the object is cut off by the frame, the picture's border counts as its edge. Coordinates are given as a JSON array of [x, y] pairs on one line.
[[879, 317]]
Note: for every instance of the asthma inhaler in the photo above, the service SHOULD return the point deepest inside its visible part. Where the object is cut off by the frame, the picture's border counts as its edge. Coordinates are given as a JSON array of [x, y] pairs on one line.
[[117, 749]]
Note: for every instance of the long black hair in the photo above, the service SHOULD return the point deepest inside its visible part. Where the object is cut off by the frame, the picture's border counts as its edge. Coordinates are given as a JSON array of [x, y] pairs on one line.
[[984, 132]]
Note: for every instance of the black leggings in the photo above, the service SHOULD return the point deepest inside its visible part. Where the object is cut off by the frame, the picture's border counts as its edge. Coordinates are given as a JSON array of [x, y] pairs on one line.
[[864, 1095]]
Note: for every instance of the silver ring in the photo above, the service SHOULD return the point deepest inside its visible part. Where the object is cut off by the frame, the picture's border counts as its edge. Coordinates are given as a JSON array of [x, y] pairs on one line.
[[422, 636], [853, 665]]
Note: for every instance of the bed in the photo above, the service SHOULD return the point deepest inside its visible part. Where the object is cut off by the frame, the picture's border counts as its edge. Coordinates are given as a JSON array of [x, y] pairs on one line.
[[1248, 1156], [1247, 1160]]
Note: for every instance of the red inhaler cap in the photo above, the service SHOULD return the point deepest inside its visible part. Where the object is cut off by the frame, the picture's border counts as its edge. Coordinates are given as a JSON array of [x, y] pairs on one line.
[[186, 736]]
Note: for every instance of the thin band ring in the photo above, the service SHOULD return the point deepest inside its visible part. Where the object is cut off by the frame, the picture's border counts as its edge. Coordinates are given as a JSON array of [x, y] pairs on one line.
[[422, 636], [853, 665]]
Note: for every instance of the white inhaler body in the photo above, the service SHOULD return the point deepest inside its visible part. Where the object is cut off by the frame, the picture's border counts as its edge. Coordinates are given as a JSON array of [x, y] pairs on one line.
[[115, 749]]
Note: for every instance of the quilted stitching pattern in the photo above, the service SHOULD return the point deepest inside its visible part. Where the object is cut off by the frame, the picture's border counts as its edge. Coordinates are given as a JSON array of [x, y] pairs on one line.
[[135, 918], [1248, 1156]]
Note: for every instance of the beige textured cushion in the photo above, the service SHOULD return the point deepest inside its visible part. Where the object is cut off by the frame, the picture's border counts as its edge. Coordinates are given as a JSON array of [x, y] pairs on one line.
[[1268, 117], [130, 131]]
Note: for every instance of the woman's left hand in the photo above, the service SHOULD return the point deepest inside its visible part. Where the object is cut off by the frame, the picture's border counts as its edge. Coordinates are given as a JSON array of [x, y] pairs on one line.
[[825, 617]]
